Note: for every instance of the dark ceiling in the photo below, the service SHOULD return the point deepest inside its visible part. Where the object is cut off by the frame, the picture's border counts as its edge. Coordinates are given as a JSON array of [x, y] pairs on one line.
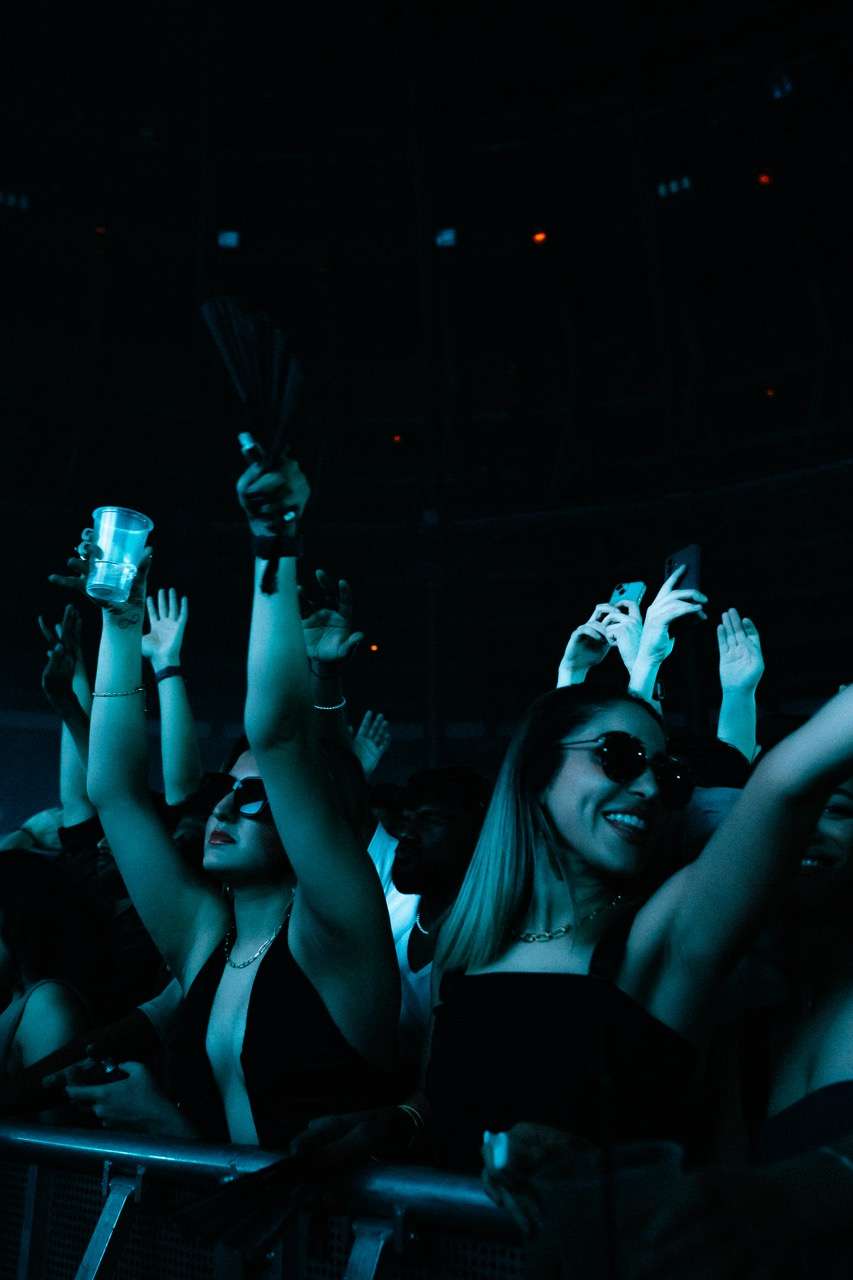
[[661, 368]]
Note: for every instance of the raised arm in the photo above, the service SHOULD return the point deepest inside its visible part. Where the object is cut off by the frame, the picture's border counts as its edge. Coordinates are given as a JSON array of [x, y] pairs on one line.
[[329, 643], [184, 915], [741, 668], [718, 903], [371, 741], [340, 908], [182, 769], [656, 641], [66, 687], [586, 647]]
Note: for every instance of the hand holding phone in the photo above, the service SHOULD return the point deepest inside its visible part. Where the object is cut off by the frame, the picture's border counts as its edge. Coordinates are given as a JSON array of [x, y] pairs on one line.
[[672, 604]]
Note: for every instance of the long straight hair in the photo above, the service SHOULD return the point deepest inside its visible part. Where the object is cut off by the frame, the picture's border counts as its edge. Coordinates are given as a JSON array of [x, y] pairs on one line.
[[497, 890]]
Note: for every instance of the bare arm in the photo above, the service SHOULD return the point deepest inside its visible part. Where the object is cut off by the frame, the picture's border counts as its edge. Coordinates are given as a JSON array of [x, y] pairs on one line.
[[66, 687], [182, 768], [184, 916], [718, 903], [741, 668], [340, 897]]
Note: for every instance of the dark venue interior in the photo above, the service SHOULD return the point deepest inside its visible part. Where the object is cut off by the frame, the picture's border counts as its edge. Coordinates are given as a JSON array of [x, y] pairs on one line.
[[563, 290]]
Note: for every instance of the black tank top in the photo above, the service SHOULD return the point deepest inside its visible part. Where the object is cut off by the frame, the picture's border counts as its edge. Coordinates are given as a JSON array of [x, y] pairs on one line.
[[296, 1062], [562, 1049]]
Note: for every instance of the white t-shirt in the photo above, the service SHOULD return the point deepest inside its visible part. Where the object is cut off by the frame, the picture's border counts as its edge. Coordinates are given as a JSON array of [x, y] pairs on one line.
[[415, 987]]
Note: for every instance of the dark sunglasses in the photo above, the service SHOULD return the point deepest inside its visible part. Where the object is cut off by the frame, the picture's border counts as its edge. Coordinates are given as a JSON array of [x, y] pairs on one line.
[[623, 759], [249, 795]]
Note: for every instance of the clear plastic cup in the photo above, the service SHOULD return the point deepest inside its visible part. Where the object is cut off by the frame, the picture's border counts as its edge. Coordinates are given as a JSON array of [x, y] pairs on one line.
[[120, 536]]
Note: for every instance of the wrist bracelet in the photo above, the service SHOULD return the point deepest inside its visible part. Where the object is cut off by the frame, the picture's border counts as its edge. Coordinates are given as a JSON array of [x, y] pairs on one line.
[[286, 545], [415, 1116], [339, 706], [165, 672], [125, 693]]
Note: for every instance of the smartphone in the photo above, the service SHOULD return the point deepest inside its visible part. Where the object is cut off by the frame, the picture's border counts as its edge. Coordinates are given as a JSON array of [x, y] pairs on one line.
[[633, 591], [691, 556]]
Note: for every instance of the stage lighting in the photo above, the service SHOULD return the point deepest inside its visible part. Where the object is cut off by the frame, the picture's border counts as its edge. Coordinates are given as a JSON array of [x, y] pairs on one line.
[[446, 239], [374, 648], [765, 180], [228, 239], [782, 88], [539, 237]]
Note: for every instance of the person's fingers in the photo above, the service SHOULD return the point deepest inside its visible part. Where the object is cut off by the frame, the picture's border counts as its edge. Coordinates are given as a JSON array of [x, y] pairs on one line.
[[751, 630], [45, 630], [173, 604], [736, 620], [162, 605], [722, 640], [731, 636], [349, 646], [184, 611], [345, 598], [689, 593], [152, 610], [86, 1094], [366, 722], [61, 580], [602, 612]]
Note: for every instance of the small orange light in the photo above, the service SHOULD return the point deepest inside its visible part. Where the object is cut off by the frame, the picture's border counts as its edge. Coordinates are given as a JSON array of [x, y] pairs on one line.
[[765, 179], [100, 231], [770, 392], [374, 648], [539, 237]]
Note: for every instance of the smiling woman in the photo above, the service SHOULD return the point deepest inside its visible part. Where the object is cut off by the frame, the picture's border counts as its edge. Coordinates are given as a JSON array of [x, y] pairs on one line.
[[569, 931]]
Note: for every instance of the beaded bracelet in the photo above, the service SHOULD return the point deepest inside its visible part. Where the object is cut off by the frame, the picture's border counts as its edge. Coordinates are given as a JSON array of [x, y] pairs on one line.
[[337, 707], [126, 693]]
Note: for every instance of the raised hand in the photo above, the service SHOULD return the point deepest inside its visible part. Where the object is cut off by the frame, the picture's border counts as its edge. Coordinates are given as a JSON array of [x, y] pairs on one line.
[[372, 741], [624, 629], [588, 645], [741, 659], [63, 656], [168, 618], [127, 614], [329, 637], [268, 493], [670, 604]]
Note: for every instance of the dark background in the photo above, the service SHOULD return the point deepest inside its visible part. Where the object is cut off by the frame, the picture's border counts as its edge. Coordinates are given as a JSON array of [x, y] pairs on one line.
[[661, 369]]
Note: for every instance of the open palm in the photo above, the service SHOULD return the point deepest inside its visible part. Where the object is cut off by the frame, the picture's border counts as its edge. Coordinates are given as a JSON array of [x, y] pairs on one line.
[[327, 626], [741, 659]]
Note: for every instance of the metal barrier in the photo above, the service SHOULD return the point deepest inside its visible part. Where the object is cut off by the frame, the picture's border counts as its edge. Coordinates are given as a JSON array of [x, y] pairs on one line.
[[85, 1204]]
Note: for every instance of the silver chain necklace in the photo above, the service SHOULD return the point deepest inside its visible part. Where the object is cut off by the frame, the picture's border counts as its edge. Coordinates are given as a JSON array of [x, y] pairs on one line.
[[418, 925], [550, 934], [231, 938]]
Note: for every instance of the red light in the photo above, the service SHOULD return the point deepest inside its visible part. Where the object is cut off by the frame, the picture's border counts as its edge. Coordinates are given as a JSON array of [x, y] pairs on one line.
[[765, 179], [397, 439], [100, 231], [374, 648], [770, 392], [539, 237]]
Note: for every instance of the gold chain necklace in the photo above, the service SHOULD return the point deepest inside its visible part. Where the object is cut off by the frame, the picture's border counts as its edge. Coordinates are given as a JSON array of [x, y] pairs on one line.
[[550, 934], [231, 938]]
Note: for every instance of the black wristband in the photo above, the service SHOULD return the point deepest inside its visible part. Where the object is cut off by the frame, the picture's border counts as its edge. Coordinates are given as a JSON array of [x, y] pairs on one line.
[[277, 546], [165, 672]]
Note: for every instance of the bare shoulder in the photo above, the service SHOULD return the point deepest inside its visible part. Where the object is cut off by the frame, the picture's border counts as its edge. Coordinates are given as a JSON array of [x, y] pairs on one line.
[[53, 1015], [53, 997]]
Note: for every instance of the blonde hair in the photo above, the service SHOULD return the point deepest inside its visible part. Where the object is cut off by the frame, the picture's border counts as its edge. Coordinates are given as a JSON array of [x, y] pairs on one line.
[[496, 892]]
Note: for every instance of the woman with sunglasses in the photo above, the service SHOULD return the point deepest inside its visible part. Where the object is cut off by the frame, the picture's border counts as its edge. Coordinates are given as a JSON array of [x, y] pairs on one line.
[[574, 970], [281, 942]]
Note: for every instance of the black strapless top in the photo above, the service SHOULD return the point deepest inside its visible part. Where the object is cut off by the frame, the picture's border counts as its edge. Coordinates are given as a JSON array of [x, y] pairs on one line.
[[815, 1120], [568, 1050], [296, 1062]]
